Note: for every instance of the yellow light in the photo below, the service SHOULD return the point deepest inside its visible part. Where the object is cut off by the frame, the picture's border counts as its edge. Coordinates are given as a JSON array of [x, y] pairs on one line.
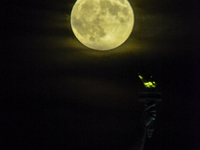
[[102, 24], [140, 77], [147, 84]]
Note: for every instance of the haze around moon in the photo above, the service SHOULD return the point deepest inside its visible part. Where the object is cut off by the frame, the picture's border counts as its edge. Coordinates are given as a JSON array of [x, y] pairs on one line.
[[102, 24]]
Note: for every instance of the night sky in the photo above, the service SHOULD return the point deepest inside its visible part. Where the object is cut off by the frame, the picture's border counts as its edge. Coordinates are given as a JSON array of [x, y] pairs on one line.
[[60, 94]]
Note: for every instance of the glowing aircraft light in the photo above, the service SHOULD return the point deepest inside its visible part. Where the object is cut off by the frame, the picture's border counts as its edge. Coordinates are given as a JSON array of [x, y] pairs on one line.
[[147, 84]]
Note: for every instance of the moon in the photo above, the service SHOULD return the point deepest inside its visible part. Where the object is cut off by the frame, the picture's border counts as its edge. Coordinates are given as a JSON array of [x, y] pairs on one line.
[[102, 24]]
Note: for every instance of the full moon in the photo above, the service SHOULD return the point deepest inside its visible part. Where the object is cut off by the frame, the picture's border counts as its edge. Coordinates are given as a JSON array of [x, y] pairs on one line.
[[102, 24]]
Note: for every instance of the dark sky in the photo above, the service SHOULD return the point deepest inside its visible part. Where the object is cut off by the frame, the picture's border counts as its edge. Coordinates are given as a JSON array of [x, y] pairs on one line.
[[62, 94]]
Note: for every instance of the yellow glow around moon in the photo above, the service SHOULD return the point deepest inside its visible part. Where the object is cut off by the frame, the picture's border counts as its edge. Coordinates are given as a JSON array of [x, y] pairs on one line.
[[102, 24]]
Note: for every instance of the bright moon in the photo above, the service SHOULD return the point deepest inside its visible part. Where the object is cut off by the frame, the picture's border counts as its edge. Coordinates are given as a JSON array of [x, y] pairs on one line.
[[102, 24]]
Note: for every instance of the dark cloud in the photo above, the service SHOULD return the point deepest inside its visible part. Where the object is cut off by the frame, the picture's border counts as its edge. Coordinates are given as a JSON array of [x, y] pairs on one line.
[[160, 25], [156, 26]]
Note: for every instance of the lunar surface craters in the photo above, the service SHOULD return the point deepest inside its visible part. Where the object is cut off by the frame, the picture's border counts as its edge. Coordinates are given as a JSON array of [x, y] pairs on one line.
[[102, 20]]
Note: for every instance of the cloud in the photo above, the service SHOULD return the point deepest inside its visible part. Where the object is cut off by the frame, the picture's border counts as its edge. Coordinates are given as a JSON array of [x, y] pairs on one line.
[[153, 32]]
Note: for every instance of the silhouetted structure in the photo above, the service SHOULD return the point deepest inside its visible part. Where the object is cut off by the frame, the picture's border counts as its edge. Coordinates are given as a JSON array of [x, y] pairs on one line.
[[150, 96]]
